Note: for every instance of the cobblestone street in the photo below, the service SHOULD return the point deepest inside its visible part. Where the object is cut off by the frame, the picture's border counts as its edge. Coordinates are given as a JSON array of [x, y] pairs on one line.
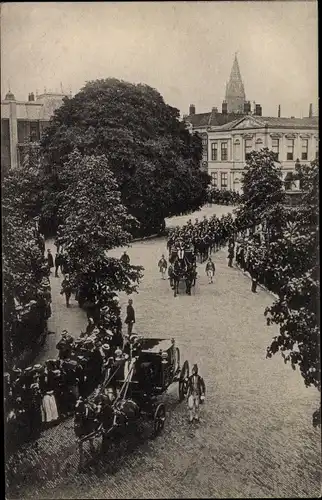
[[255, 437]]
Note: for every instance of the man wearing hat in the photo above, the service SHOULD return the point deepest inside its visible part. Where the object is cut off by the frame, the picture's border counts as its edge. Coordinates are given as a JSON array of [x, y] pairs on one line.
[[64, 346], [130, 317], [196, 393], [50, 259], [125, 259], [162, 265], [66, 288]]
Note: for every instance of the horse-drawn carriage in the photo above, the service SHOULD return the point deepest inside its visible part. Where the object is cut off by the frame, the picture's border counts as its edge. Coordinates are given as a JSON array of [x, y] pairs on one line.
[[130, 391], [183, 261]]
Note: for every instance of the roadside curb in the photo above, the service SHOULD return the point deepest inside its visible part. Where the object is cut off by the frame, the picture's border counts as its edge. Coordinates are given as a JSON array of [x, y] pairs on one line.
[[146, 238], [245, 273]]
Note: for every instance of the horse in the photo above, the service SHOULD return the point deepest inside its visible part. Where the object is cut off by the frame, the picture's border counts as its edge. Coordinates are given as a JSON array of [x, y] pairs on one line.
[[85, 424], [179, 273]]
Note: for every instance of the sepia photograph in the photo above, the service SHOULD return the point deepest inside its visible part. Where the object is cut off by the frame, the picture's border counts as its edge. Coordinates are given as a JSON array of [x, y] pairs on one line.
[[160, 250]]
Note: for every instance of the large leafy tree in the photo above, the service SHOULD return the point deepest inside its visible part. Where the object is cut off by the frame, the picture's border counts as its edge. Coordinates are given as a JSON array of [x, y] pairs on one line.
[[153, 157], [296, 309], [263, 196], [26, 288], [95, 221]]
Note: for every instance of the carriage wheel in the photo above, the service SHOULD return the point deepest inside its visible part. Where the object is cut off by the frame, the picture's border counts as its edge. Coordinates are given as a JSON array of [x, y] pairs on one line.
[[159, 419], [184, 374]]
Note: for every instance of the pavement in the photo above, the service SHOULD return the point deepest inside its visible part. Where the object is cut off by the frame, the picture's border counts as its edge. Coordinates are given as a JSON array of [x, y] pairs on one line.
[[255, 438]]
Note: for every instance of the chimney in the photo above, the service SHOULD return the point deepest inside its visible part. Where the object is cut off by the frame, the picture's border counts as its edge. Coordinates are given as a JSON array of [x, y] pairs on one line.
[[258, 110], [247, 108], [311, 111], [214, 110], [279, 111], [192, 109], [224, 108], [31, 97]]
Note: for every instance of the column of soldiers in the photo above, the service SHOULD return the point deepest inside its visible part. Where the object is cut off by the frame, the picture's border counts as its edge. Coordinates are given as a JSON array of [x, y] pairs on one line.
[[204, 236], [208, 235]]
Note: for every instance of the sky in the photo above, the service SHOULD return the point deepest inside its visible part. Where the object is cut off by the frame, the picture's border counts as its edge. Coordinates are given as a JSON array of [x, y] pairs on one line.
[[183, 49]]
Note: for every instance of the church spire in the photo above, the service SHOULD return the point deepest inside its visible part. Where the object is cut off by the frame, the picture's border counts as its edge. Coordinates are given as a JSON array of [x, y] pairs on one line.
[[235, 92]]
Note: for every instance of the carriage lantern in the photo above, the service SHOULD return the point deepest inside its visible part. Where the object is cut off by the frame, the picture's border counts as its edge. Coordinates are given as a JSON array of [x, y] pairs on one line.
[[164, 357]]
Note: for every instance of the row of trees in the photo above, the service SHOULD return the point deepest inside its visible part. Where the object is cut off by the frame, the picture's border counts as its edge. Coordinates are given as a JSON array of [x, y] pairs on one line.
[[288, 254], [26, 288]]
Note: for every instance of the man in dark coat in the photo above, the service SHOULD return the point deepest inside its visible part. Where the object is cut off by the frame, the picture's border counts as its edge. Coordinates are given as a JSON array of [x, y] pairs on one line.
[[130, 317], [66, 288], [125, 259], [230, 256], [58, 262], [50, 259]]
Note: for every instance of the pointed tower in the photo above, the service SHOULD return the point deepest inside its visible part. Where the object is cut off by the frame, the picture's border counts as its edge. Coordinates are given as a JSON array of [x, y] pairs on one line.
[[235, 92]]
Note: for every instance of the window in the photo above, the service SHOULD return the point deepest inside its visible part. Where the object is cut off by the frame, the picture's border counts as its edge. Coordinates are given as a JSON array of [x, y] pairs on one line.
[[259, 144], [305, 148], [248, 148], [237, 150], [205, 147], [214, 179], [224, 151], [214, 151], [276, 147], [290, 149], [34, 131], [224, 179]]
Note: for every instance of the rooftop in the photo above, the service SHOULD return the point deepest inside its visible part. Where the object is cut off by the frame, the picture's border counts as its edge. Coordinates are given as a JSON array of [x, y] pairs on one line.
[[231, 120]]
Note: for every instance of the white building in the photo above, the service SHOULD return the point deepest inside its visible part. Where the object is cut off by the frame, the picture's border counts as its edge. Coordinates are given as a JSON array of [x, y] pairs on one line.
[[227, 146]]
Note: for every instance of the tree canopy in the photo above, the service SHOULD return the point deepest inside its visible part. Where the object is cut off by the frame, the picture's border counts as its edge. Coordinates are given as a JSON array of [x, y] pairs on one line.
[[94, 221], [26, 287], [155, 160], [263, 195]]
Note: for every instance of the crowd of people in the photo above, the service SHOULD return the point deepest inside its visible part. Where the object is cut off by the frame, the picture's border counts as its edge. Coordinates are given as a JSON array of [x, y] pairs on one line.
[[42, 395], [45, 394]]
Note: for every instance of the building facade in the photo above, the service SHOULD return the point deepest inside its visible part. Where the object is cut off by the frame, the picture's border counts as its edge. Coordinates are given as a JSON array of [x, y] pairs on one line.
[[230, 135], [228, 146], [24, 121]]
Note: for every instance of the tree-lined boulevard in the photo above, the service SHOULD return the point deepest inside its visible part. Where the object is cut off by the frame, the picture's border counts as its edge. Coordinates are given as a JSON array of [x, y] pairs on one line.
[[255, 438], [116, 163]]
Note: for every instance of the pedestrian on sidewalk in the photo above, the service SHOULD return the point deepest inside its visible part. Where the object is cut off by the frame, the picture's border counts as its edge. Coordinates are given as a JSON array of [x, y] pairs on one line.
[[66, 288], [254, 275], [58, 262], [125, 259], [130, 317], [196, 393], [230, 256], [162, 264], [50, 260], [210, 270]]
